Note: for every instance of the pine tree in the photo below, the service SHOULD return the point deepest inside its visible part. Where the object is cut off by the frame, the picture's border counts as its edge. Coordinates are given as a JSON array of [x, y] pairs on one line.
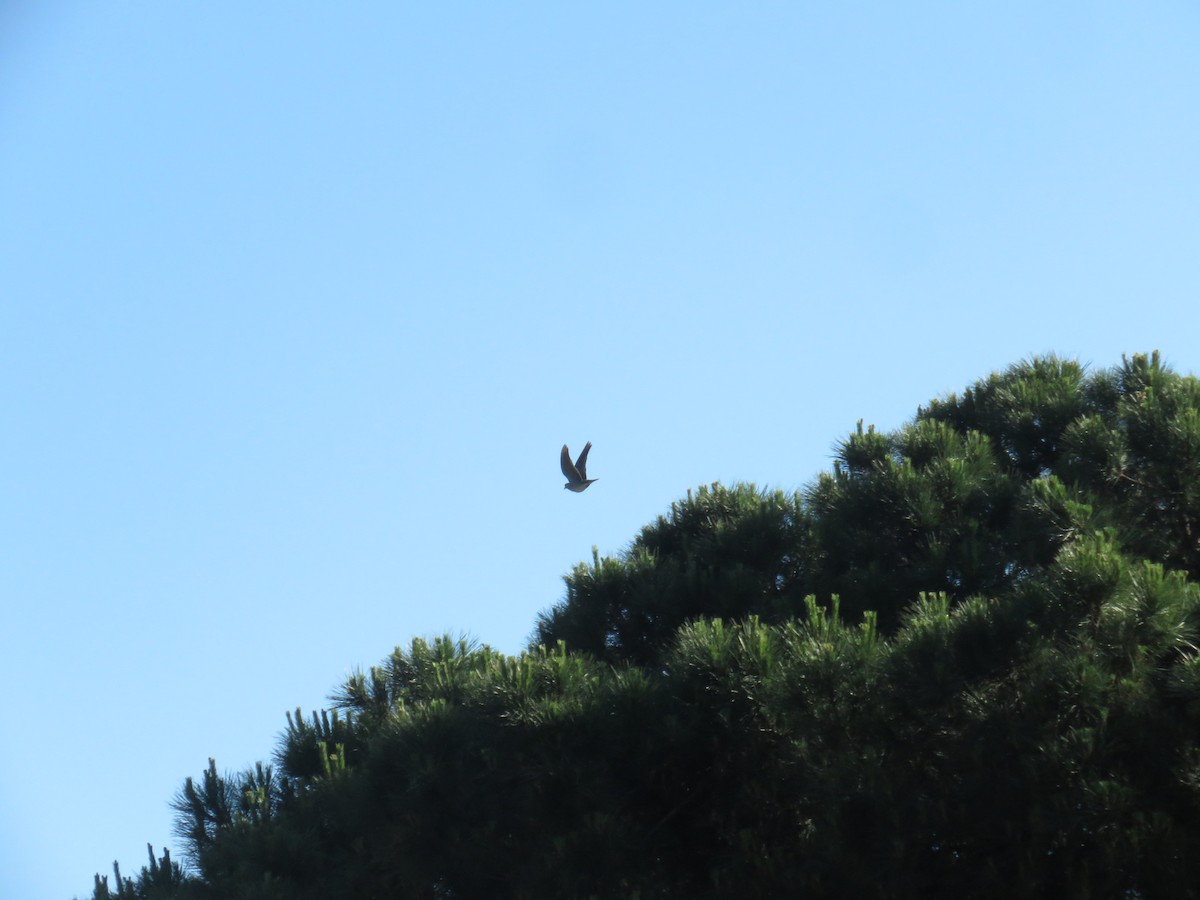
[[965, 662]]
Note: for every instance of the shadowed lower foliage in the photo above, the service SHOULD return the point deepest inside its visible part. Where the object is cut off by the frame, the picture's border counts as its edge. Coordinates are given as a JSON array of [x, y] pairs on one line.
[[963, 663]]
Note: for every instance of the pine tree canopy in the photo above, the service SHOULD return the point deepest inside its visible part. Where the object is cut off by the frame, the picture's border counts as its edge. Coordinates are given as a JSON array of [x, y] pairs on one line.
[[963, 663]]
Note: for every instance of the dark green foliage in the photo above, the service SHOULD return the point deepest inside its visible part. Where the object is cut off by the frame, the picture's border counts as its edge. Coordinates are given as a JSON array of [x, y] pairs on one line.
[[160, 880], [964, 663], [1128, 438], [724, 551], [928, 509]]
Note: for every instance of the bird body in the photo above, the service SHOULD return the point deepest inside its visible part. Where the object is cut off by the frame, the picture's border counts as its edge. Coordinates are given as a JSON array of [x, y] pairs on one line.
[[576, 472]]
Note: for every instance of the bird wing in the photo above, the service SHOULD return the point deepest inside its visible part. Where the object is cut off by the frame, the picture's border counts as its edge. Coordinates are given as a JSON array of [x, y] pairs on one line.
[[581, 463], [568, 469]]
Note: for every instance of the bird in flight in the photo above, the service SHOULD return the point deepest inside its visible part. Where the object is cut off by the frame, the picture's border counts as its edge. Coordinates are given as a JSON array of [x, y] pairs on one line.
[[577, 479]]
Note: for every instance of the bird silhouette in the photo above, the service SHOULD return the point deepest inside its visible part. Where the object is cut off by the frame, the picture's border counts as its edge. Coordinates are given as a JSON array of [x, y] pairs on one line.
[[577, 479]]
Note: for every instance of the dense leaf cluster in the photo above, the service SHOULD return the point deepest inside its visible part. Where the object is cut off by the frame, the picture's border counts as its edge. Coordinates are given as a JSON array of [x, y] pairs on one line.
[[963, 663]]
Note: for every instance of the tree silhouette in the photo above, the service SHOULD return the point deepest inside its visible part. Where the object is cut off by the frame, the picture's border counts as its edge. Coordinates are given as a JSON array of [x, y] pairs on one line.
[[963, 663]]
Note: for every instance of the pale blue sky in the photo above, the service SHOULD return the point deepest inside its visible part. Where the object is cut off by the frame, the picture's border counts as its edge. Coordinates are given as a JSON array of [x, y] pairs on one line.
[[297, 306]]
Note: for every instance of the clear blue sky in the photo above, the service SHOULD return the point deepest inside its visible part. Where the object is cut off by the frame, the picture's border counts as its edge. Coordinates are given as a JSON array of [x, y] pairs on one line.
[[298, 305]]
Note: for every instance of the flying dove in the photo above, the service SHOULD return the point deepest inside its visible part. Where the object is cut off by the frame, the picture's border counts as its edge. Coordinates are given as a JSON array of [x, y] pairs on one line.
[[577, 479]]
